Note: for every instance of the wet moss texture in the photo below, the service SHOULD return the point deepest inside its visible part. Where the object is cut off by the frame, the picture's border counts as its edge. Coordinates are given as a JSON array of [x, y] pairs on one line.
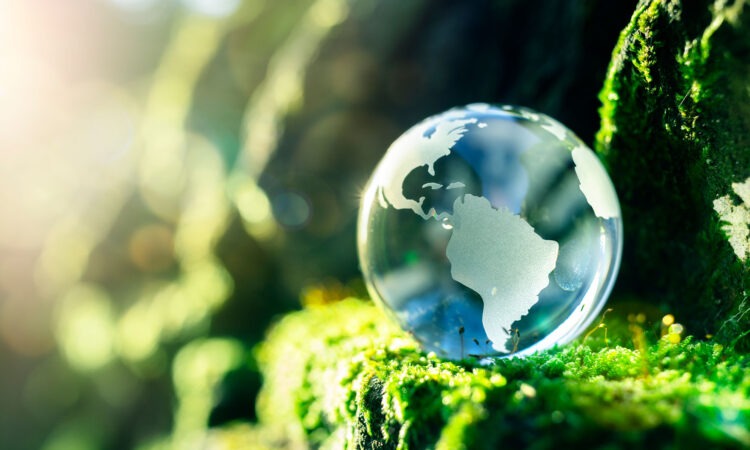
[[341, 376]]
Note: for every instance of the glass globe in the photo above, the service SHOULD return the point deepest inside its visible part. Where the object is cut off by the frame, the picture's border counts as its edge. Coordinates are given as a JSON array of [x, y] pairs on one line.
[[490, 231]]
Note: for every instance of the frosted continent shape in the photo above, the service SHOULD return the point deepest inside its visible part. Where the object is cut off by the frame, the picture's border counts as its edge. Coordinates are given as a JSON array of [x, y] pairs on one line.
[[498, 255]]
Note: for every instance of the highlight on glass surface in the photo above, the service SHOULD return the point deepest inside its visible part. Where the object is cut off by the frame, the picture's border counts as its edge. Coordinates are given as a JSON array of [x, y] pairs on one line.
[[489, 231]]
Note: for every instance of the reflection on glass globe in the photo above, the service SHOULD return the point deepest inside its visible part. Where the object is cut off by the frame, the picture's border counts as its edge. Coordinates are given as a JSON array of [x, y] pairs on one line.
[[490, 231]]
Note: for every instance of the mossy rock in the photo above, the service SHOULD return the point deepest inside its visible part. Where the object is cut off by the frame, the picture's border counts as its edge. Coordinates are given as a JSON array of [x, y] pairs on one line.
[[676, 136], [342, 376]]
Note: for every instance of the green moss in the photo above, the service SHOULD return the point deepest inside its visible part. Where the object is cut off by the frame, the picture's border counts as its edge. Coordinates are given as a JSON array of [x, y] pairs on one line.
[[675, 133], [341, 376]]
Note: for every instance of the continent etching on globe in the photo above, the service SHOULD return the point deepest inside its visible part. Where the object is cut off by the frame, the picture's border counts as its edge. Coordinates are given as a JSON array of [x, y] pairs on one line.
[[490, 231], [499, 256], [493, 252], [426, 150]]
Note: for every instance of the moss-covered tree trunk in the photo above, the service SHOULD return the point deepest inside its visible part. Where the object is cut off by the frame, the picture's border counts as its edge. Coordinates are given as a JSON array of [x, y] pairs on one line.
[[676, 135]]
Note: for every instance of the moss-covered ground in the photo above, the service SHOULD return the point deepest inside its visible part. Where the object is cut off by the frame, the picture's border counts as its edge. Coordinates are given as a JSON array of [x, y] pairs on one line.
[[342, 376]]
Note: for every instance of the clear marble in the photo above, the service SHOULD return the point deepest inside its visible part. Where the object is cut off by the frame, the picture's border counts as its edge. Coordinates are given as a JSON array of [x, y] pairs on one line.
[[489, 231]]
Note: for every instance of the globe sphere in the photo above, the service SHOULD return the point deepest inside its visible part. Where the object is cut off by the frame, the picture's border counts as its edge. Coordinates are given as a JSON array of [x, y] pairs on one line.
[[490, 231]]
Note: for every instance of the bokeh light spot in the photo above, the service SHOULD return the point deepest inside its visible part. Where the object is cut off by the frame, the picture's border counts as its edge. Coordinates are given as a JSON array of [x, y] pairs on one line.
[[253, 203], [291, 209], [253, 206], [327, 13], [85, 327], [197, 370], [138, 332]]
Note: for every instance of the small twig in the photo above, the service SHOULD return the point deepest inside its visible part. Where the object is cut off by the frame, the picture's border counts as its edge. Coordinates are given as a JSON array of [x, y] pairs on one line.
[[685, 97], [461, 331], [600, 325], [515, 338]]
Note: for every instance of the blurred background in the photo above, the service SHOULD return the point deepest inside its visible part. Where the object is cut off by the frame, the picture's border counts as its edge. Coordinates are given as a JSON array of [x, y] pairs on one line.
[[176, 173]]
